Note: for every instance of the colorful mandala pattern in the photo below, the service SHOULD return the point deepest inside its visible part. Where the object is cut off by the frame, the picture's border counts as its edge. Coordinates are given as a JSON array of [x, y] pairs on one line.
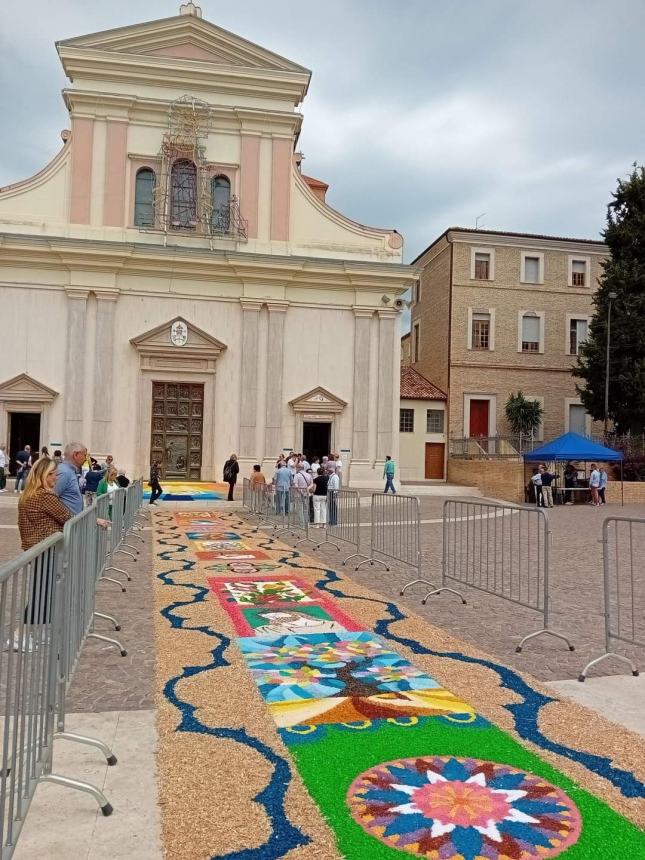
[[463, 809]]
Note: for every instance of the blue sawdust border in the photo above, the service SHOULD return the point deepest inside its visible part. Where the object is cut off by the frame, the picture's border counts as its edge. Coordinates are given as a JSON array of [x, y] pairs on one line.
[[284, 835]]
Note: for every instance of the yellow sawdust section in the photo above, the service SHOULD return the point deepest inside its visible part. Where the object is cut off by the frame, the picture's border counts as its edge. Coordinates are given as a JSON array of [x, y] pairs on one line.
[[207, 785]]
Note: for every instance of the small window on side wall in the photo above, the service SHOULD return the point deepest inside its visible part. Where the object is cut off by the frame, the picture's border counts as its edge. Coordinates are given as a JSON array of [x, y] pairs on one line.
[[144, 198], [434, 421], [482, 266], [578, 273], [481, 331], [406, 420], [530, 332]]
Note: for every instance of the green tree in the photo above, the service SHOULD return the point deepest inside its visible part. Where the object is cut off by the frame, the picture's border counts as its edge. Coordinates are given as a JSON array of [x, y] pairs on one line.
[[623, 274], [523, 416]]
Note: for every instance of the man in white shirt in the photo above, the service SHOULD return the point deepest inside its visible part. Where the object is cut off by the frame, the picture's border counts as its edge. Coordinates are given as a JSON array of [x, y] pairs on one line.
[[332, 484], [302, 479], [4, 468], [594, 484]]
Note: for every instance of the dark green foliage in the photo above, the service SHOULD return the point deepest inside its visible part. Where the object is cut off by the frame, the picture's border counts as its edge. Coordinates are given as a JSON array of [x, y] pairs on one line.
[[623, 274], [523, 415]]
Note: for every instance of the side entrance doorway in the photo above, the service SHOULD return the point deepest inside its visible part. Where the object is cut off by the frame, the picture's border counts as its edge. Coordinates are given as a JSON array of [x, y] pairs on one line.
[[479, 417], [177, 429], [435, 458], [316, 438], [24, 429]]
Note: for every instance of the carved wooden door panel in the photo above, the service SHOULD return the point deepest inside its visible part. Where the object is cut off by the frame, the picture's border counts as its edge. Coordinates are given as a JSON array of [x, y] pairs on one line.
[[177, 424]]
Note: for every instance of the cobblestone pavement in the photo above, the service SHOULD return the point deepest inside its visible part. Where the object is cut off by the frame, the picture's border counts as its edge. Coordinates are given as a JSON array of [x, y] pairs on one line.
[[496, 625], [105, 681]]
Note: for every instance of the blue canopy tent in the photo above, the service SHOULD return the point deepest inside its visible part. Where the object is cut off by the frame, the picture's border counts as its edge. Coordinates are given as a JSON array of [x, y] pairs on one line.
[[573, 447]]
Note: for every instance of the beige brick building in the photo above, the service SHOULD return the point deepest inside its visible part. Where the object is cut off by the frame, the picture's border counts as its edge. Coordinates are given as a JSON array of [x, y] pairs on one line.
[[496, 312]]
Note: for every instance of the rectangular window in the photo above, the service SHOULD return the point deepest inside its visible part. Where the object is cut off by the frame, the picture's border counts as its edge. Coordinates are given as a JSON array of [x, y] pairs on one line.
[[577, 419], [482, 266], [578, 273], [434, 421], [578, 330], [406, 420], [481, 331], [415, 342], [532, 270], [530, 333]]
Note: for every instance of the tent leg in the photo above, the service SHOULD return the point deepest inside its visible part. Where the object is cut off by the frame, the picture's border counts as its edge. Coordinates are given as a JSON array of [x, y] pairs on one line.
[[622, 486]]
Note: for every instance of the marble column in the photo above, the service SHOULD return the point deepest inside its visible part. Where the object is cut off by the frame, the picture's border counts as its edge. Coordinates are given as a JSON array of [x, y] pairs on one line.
[[101, 440], [362, 325], [249, 379], [274, 369], [75, 364], [385, 419]]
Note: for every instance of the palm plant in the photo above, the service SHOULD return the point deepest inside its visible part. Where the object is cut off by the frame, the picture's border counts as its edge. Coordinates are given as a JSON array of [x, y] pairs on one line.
[[523, 416]]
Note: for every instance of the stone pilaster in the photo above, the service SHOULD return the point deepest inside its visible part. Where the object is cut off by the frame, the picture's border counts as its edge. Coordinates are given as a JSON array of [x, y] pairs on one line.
[[362, 326], [249, 382], [75, 363], [274, 369], [385, 419], [101, 440]]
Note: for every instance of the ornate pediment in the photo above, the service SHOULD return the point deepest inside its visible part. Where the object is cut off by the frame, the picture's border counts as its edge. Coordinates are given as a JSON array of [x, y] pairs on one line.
[[184, 37], [318, 400], [23, 388], [177, 345]]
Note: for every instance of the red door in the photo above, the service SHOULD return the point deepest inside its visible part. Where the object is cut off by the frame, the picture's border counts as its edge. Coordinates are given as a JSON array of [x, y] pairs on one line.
[[479, 410]]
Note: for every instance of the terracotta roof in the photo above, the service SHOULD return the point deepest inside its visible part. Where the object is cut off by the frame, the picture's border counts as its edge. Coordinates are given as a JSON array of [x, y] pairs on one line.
[[417, 387], [315, 183], [484, 232]]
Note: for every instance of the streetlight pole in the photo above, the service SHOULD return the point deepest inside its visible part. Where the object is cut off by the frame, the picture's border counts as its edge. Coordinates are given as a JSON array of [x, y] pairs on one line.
[[611, 297]]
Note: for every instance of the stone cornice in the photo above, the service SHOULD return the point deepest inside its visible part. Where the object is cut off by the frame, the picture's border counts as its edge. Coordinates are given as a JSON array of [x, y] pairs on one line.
[[190, 75], [149, 111], [144, 260]]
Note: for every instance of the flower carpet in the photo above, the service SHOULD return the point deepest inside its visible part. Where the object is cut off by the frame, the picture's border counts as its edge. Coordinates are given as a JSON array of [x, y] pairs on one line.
[[304, 716], [190, 491]]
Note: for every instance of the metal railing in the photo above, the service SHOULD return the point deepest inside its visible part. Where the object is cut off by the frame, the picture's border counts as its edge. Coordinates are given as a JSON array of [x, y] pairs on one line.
[[500, 549], [344, 521], [47, 612], [492, 447], [394, 531], [623, 554]]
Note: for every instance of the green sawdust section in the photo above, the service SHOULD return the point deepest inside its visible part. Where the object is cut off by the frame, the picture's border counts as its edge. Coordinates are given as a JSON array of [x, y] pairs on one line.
[[329, 765]]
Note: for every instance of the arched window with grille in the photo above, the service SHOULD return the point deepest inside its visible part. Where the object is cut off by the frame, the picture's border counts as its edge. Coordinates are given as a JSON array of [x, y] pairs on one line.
[[183, 194], [221, 202], [144, 198]]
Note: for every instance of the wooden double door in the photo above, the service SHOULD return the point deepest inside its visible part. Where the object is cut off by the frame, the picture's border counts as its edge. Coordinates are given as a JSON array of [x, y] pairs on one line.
[[177, 429]]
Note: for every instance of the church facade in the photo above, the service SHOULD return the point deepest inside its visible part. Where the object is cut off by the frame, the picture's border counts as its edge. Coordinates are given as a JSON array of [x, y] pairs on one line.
[[174, 285]]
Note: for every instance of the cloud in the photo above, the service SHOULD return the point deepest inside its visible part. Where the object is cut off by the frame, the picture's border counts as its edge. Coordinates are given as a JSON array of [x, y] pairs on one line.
[[420, 115]]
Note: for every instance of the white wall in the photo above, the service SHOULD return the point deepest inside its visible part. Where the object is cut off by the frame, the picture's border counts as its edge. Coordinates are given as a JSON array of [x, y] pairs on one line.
[[412, 446]]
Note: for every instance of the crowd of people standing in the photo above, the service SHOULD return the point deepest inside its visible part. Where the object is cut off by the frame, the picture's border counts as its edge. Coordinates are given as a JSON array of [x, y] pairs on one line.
[[542, 483]]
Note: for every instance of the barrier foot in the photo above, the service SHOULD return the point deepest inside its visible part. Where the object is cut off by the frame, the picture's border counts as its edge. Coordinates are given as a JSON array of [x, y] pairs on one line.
[[116, 624], [110, 758], [125, 552], [330, 542], [66, 782], [415, 582], [114, 642], [372, 562], [443, 588], [120, 570], [129, 546], [544, 632], [632, 666], [115, 581], [133, 534], [356, 555]]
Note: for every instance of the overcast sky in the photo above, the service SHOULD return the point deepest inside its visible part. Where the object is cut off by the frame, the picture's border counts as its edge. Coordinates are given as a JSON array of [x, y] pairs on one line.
[[422, 114]]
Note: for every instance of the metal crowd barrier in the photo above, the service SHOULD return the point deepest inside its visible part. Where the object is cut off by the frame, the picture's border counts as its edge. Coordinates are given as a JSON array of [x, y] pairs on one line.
[[47, 597], [247, 494], [344, 521], [499, 549], [394, 531], [623, 552]]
